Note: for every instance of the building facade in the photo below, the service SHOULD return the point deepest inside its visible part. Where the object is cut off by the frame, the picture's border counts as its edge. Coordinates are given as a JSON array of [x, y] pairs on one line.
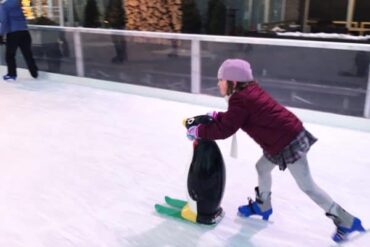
[[226, 17]]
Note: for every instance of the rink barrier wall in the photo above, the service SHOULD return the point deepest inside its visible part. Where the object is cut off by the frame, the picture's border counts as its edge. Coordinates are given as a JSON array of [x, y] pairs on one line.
[[367, 100], [195, 39], [308, 116]]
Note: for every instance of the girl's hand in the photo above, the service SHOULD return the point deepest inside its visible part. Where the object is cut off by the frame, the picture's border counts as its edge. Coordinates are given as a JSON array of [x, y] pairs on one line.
[[192, 133]]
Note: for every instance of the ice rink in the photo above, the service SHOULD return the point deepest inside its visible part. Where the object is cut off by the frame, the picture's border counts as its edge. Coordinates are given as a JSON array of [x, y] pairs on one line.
[[83, 167]]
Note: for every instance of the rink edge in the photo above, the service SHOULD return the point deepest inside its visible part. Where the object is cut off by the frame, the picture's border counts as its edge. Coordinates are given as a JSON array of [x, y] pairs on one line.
[[308, 116]]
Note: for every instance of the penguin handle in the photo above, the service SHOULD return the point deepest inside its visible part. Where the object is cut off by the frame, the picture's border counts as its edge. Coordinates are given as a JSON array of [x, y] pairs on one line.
[[193, 121]]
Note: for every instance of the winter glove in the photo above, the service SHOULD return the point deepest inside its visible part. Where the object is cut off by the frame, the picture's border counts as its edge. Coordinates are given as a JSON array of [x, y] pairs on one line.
[[193, 123], [192, 133]]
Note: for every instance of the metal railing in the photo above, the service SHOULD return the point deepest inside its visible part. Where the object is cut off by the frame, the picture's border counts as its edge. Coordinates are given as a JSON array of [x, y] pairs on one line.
[[359, 27]]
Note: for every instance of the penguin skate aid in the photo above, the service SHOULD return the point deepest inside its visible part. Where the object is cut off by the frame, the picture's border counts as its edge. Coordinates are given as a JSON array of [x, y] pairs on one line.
[[282, 137], [205, 183]]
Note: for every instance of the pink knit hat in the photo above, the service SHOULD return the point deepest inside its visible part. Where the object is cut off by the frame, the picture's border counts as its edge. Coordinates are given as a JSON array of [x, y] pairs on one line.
[[235, 70]]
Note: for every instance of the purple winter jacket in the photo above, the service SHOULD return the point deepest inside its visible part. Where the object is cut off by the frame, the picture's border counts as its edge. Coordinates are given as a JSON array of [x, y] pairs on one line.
[[253, 110]]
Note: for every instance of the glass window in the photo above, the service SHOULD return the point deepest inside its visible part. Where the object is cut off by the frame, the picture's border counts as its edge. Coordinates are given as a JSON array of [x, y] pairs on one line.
[[276, 7], [161, 63], [312, 78]]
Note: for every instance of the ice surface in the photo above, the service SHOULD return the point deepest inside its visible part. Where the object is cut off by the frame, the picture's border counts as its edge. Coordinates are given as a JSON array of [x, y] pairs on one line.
[[83, 167]]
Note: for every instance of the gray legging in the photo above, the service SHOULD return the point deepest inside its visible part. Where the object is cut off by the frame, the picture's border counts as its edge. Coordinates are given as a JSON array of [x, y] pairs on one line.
[[302, 175]]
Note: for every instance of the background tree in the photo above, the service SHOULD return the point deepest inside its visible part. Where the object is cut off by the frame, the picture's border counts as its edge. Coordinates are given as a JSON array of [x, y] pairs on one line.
[[115, 14], [92, 15], [42, 20], [191, 20], [216, 17], [153, 15]]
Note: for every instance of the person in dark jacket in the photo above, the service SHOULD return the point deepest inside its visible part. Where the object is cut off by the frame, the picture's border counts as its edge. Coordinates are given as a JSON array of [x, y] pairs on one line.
[[13, 24], [282, 137]]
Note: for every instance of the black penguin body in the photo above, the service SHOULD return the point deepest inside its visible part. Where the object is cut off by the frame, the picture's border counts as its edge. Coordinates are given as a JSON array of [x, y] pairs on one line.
[[206, 177]]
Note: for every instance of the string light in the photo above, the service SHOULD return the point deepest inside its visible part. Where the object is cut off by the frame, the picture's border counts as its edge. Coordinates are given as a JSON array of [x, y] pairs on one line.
[[27, 9], [35, 8]]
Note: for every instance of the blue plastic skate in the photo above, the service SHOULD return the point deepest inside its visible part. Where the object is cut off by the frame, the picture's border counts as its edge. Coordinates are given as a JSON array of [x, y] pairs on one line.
[[253, 209], [343, 232]]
